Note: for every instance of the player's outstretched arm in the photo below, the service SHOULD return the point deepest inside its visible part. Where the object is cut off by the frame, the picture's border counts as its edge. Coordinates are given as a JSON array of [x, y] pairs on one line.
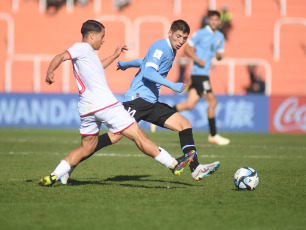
[[136, 63], [109, 60], [57, 60], [152, 75]]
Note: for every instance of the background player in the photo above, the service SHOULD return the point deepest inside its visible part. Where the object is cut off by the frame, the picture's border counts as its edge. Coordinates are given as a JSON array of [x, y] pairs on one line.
[[141, 100], [98, 105], [204, 45]]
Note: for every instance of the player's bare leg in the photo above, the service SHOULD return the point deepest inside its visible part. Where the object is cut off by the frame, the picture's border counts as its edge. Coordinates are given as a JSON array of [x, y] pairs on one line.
[[191, 101], [159, 154], [88, 145], [180, 124], [213, 136]]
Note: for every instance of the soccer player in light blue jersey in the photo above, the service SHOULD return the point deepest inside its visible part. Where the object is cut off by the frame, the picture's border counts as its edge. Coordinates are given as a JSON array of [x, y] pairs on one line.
[[141, 100], [204, 45]]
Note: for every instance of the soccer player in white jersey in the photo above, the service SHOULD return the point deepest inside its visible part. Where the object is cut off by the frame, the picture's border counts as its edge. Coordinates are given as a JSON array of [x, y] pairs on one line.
[[141, 100], [98, 105], [204, 45]]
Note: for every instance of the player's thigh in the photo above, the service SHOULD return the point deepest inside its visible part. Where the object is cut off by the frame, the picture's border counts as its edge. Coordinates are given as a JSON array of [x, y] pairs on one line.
[[210, 98], [133, 132], [177, 123], [193, 97], [114, 137]]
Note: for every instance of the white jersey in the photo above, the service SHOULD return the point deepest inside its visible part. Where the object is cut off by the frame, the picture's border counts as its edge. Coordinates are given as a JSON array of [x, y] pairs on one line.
[[94, 91]]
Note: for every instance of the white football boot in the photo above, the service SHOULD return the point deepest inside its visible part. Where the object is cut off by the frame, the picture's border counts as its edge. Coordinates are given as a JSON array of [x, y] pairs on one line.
[[217, 139], [204, 170], [152, 128]]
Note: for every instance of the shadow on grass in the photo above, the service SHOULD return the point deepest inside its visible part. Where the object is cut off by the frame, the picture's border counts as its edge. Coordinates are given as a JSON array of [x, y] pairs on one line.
[[242, 190], [125, 178]]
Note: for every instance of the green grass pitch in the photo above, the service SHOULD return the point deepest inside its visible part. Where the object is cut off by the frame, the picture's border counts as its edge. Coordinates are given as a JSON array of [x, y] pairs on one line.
[[120, 188]]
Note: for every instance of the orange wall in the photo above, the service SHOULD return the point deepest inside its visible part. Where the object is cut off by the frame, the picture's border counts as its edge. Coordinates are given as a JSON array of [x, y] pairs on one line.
[[252, 37]]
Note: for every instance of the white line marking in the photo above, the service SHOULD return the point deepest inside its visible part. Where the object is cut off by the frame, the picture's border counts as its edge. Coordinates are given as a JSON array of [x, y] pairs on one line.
[[130, 143], [143, 155]]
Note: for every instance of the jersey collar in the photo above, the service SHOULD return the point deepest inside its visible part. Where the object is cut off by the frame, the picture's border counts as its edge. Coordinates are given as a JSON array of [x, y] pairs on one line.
[[88, 45], [169, 44], [209, 29], [168, 41]]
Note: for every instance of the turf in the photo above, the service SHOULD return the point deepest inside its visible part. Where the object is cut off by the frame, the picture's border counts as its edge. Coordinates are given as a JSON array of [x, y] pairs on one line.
[[120, 188]]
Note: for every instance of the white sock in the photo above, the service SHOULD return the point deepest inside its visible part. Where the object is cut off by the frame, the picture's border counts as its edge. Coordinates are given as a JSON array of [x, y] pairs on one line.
[[61, 169], [166, 159]]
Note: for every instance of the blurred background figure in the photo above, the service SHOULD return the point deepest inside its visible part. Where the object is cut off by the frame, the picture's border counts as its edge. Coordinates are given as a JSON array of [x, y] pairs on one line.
[[81, 2], [226, 24], [121, 4], [183, 61], [257, 84], [204, 20], [54, 5]]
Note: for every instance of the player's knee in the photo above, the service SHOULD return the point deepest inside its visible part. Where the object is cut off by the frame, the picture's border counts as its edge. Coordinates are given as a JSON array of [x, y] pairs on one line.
[[185, 124], [115, 139], [190, 106], [213, 103]]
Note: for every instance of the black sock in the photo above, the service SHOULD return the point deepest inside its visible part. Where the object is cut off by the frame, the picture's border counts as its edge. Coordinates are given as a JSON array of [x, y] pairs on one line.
[[174, 107], [187, 145], [103, 141], [212, 126]]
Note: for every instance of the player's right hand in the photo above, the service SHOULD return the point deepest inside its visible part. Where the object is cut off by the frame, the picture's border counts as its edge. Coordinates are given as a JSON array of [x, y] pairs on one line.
[[119, 66], [179, 87], [201, 62], [50, 78]]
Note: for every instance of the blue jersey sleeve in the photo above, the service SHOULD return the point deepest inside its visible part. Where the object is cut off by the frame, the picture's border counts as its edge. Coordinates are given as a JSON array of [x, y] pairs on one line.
[[154, 57], [134, 63], [152, 75]]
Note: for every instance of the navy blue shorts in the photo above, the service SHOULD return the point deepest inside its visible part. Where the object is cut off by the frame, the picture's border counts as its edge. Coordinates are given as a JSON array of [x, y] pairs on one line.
[[156, 113], [201, 84]]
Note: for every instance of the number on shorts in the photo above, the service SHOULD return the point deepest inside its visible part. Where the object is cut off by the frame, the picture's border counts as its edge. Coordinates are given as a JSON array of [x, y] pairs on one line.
[[206, 86]]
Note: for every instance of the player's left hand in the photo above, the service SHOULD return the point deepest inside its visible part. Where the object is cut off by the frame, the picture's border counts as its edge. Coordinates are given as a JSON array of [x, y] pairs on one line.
[[121, 49], [119, 66]]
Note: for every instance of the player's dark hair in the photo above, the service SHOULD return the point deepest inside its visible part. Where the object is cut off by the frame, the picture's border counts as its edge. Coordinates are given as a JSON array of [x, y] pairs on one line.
[[180, 25], [91, 26], [213, 13]]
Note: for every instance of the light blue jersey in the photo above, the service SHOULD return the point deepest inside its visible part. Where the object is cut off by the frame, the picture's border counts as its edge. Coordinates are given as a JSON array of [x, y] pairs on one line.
[[207, 44], [160, 56]]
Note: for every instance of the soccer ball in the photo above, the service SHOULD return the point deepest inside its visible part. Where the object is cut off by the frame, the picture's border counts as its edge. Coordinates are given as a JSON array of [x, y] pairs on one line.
[[246, 178]]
